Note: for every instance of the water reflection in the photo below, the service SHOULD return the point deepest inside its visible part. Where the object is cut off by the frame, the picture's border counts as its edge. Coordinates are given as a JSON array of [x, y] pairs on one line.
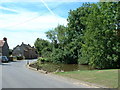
[[50, 67]]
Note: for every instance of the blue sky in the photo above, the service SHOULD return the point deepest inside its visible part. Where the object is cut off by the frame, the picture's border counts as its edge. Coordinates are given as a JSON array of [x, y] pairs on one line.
[[24, 21]]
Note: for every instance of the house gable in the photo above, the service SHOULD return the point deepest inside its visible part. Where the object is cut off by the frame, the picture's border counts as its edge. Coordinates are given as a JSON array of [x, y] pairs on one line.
[[25, 50], [4, 48]]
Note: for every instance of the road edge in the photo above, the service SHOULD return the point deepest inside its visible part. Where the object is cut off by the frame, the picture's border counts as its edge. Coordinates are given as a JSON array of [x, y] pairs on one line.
[[74, 81]]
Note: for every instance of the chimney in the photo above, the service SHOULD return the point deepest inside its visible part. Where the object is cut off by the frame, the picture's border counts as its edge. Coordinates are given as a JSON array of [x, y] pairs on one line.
[[5, 39]]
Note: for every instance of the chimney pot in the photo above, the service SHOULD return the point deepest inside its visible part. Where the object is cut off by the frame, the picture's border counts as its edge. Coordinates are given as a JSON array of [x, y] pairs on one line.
[[5, 39]]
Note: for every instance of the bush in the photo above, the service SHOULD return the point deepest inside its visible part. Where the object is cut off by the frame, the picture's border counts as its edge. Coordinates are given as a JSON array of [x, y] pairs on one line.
[[63, 56], [19, 58], [41, 60]]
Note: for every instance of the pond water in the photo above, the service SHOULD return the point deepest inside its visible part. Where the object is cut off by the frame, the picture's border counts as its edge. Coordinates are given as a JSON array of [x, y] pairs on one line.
[[51, 67]]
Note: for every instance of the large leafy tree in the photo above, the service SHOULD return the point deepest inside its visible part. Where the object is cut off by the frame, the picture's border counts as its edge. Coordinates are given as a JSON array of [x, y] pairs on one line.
[[100, 47]]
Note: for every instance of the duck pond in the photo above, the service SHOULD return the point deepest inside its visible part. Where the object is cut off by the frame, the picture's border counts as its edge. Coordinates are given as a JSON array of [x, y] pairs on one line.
[[51, 67]]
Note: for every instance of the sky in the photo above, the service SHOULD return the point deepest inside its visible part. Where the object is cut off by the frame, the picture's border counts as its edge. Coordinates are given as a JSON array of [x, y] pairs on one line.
[[27, 20]]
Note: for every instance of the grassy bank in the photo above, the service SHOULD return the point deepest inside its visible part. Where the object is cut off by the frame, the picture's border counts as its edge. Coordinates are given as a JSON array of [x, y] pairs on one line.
[[108, 78]]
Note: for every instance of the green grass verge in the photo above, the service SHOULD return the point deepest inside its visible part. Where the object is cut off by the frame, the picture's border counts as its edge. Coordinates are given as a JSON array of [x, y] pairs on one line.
[[108, 78]]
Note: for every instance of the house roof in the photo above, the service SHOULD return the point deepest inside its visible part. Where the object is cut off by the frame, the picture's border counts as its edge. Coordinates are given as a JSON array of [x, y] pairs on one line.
[[25, 47], [2, 43]]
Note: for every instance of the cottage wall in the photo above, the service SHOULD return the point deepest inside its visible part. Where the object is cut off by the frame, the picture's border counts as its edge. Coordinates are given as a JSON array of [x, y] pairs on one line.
[[26, 54], [30, 54], [0, 51], [5, 50], [35, 55], [17, 51]]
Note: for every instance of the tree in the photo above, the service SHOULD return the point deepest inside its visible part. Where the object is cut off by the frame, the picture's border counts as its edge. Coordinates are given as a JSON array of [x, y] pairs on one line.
[[40, 44], [100, 47], [90, 37]]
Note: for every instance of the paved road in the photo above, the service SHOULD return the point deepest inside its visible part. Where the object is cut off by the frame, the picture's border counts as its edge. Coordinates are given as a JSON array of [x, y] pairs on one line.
[[16, 75]]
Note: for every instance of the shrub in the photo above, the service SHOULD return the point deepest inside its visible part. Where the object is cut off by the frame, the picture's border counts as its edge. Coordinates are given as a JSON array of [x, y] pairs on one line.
[[19, 58], [41, 60]]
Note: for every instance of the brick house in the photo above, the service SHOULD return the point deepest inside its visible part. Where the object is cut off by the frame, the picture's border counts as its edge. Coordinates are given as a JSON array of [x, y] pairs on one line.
[[25, 51], [4, 48]]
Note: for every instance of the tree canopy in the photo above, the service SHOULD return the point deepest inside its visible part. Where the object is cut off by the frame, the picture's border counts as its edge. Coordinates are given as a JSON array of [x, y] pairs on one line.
[[92, 36]]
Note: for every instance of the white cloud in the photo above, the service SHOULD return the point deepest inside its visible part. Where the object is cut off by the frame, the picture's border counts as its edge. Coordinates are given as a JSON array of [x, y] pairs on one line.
[[50, 0], [25, 21], [27, 26], [8, 9]]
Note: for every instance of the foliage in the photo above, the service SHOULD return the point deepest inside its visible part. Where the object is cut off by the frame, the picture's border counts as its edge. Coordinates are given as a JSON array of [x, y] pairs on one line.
[[100, 48], [91, 37], [41, 59], [40, 44], [19, 57], [10, 52]]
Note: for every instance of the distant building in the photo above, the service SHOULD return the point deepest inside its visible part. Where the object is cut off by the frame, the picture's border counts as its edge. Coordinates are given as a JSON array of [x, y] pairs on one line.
[[4, 48], [25, 51]]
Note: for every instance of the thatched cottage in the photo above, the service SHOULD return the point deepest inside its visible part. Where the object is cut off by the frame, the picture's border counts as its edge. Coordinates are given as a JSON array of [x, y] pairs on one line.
[[25, 51]]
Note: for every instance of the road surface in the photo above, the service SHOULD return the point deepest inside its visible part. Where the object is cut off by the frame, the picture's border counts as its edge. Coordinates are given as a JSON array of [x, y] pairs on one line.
[[16, 75]]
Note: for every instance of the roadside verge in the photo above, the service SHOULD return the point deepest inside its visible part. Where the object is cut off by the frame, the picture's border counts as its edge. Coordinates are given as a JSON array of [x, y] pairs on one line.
[[74, 81]]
